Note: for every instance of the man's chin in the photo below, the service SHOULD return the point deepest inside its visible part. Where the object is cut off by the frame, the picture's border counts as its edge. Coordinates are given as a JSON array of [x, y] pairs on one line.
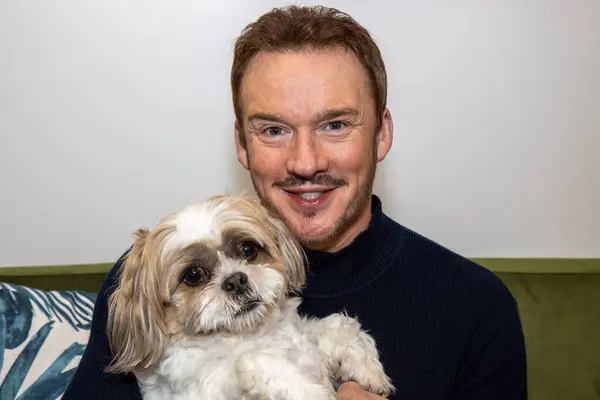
[[314, 232], [312, 227]]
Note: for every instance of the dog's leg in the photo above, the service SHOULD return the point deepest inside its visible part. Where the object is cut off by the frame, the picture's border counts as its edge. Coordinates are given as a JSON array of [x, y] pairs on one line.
[[262, 376], [350, 352]]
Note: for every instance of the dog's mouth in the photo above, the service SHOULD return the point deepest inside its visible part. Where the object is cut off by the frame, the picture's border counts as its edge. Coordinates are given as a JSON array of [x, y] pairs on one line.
[[247, 307]]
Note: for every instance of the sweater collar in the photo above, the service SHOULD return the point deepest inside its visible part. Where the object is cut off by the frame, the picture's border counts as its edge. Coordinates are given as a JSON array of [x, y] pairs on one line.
[[372, 251]]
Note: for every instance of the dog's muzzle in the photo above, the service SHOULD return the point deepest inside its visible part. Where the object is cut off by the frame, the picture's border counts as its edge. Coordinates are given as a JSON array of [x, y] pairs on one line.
[[236, 284]]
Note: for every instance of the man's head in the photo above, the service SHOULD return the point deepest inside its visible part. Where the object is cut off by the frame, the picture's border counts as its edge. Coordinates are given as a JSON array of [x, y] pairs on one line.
[[309, 92]]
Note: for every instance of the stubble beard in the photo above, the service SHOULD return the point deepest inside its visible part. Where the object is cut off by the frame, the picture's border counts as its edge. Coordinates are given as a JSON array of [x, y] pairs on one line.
[[349, 217]]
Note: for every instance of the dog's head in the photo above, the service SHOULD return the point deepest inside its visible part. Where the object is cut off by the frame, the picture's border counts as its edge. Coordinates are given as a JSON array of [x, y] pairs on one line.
[[221, 265]]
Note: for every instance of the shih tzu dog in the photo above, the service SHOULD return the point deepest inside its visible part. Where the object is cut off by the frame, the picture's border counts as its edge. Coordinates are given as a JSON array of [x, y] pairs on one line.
[[205, 308]]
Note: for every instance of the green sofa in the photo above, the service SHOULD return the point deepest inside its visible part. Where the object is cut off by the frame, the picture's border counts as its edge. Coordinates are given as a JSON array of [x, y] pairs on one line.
[[559, 301]]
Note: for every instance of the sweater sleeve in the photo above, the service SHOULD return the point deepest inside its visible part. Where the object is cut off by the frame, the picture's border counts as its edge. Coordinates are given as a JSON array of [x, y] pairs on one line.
[[494, 366], [90, 381]]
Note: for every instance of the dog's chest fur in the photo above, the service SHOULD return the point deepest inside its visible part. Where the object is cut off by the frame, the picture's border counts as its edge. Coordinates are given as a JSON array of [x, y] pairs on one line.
[[209, 368]]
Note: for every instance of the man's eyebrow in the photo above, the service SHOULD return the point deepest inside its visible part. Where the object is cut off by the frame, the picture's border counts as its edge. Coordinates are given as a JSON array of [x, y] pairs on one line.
[[265, 117], [321, 116], [336, 113]]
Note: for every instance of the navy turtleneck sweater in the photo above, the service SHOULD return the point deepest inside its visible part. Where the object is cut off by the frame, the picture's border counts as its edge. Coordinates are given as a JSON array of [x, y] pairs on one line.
[[446, 327]]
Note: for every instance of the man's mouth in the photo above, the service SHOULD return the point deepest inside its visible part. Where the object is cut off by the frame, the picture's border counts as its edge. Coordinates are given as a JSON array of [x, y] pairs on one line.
[[312, 198], [309, 195]]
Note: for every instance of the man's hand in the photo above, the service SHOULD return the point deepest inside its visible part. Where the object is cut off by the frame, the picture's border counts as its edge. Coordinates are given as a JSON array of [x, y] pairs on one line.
[[353, 391]]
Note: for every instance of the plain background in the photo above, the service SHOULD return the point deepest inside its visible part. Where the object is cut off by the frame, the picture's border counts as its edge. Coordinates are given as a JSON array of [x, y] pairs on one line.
[[115, 113]]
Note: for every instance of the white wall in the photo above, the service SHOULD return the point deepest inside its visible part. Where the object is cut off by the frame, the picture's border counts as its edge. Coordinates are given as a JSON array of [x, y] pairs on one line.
[[115, 113]]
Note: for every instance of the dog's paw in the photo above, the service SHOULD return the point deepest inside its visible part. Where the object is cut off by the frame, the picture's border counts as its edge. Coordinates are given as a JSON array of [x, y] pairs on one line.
[[369, 374], [351, 353], [360, 363]]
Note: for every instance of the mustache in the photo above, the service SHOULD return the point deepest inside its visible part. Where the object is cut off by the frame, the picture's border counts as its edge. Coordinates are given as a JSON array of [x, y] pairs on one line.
[[318, 180]]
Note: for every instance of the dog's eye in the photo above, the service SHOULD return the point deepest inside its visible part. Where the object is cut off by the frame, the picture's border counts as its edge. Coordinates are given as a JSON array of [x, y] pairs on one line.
[[195, 275], [249, 250]]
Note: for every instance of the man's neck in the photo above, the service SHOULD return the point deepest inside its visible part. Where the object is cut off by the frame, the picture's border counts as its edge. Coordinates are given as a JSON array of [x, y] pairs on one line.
[[369, 251]]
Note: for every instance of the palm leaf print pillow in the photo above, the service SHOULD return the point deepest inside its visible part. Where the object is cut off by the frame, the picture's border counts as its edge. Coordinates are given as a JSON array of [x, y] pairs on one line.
[[42, 337]]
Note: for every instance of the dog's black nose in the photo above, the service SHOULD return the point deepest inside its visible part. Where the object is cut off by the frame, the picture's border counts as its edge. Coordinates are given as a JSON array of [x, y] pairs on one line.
[[236, 282]]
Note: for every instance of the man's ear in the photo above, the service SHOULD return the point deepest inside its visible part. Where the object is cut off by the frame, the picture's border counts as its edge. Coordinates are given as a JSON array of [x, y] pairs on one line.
[[240, 146], [385, 135]]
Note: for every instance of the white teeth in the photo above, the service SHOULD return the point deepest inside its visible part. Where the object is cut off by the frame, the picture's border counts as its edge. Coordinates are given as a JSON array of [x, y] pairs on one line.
[[310, 196]]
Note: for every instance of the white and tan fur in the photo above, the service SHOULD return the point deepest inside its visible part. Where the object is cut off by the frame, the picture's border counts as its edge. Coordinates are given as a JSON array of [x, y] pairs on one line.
[[188, 328]]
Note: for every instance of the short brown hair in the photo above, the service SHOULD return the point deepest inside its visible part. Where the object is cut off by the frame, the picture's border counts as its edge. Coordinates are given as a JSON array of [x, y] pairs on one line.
[[308, 27]]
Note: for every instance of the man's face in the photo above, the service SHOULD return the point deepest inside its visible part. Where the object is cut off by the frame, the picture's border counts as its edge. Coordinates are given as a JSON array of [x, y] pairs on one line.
[[311, 142]]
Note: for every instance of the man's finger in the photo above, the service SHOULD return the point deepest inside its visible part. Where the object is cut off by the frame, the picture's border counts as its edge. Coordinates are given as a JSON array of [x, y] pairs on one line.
[[353, 391]]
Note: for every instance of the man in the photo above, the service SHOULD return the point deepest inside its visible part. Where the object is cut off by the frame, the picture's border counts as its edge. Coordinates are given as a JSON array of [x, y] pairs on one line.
[[309, 91]]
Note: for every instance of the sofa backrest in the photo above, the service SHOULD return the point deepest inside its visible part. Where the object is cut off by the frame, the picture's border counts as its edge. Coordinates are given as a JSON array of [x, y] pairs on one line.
[[561, 320]]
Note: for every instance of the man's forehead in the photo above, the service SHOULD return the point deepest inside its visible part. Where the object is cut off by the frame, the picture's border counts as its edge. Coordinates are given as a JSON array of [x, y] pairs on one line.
[[302, 68], [303, 84]]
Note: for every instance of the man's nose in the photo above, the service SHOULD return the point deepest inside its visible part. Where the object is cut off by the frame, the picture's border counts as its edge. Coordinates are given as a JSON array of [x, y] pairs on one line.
[[307, 157]]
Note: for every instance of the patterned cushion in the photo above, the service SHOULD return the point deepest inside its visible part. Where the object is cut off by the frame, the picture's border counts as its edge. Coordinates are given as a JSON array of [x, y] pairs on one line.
[[42, 337]]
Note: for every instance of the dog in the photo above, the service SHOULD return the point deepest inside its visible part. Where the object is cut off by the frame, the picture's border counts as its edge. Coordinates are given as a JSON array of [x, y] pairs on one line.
[[206, 307]]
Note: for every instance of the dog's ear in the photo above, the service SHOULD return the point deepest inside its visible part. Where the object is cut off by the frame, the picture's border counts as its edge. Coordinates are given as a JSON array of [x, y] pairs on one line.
[[135, 327], [295, 258]]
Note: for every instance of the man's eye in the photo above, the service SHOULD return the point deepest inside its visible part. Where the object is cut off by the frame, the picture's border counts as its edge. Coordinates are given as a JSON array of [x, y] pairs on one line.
[[336, 125], [273, 131]]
